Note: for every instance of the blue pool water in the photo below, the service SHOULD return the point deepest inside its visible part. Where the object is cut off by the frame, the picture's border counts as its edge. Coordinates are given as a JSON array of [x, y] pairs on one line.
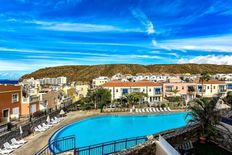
[[101, 129]]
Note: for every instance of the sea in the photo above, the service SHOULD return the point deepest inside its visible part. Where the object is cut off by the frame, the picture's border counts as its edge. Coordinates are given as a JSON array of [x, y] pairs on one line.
[[5, 81]]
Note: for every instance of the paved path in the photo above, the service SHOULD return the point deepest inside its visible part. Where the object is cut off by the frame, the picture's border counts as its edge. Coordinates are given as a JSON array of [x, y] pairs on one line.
[[39, 140]]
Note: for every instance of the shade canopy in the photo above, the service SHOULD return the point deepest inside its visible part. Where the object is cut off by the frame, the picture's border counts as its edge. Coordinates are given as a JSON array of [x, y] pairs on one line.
[[62, 112], [48, 119], [20, 130]]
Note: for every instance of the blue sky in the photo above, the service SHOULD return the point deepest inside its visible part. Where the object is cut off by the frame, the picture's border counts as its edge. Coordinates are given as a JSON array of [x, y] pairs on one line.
[[41, 33]]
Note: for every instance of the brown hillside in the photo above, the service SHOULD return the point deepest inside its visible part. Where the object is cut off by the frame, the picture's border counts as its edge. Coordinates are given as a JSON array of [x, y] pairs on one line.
[[87, 73]]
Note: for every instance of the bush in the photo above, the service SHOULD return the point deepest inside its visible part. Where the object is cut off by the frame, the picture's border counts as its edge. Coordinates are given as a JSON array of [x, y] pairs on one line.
[[163, 105]]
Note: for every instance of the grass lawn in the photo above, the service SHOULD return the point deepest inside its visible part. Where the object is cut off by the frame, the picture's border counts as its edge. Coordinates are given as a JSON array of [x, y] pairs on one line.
[[209, 149]]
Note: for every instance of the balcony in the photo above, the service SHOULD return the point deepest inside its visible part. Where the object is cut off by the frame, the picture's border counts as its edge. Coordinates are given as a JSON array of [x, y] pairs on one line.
[[222, 91], [157, 93]]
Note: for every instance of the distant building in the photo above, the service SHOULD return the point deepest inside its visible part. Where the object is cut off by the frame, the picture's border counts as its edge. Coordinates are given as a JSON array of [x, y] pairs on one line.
[[185, 90], [99, 81], [212, 88], [82, 90], [53, 81], [119, 89]]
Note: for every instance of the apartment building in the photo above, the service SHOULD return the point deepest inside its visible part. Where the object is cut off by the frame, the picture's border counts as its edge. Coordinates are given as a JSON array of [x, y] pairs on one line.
[[100, 81], [82, 90], [212, 88], [185, 90], [119, 89], [10, 99], [49, 99], [30, 105], [53, 81]]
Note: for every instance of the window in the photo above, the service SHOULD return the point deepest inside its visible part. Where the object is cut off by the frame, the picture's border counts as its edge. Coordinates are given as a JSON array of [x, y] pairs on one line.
[[116, 90], [125, 91], [157, 91], [33, 108], [149, 90], [15, 98], [207, 87], [176, 87], [182, 87], [214, 87], [15, 111]]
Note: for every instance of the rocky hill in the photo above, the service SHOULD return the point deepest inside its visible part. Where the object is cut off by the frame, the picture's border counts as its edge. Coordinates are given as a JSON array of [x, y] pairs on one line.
[[87, 73]]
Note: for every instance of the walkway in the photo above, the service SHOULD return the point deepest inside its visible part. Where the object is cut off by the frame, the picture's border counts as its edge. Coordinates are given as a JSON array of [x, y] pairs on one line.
[[39, 140]]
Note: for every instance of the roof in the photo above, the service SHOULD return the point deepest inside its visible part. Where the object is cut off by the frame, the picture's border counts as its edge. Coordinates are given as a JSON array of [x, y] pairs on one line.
[[9, 88], [131, 84], [213, 82]]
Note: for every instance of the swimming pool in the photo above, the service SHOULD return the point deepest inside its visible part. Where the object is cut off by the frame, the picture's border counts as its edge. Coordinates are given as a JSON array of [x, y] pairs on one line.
[[101, 129]]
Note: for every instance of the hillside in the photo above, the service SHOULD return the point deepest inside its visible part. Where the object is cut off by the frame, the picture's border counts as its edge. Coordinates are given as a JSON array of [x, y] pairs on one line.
[[87, 73]]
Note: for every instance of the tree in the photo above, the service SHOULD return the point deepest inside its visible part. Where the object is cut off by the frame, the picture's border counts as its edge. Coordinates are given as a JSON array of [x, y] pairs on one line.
[[204, 77], [175, 91], [135, 97], [100, 97], [203, 111]]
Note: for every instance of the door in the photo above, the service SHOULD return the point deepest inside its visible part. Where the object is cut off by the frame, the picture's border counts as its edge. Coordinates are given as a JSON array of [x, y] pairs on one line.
[[6, 114]]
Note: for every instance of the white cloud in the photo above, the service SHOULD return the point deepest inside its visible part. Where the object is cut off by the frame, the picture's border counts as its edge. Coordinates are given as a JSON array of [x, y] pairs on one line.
[[142, 17], [209, 59], [208, 44], [80, 27]]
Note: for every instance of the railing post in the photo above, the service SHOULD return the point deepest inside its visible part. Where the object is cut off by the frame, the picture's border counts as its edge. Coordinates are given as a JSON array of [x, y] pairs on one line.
[[102, 149]]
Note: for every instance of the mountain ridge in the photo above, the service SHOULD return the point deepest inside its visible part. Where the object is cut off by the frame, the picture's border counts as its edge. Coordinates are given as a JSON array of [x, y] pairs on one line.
[[86, 73]]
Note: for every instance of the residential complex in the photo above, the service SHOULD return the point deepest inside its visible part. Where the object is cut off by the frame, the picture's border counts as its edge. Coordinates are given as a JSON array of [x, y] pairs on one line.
[[119, 89]]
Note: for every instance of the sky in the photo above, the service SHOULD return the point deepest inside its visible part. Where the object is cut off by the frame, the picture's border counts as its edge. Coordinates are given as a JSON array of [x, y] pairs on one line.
[[42, 33]]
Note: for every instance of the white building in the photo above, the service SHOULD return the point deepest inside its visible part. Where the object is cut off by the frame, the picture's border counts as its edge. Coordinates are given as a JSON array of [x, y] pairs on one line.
[[119, 89], [212, 88], [53, 81], [100, 81]]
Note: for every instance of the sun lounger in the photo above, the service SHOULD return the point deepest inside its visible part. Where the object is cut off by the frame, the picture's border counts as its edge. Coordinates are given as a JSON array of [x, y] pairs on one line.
[[14, 142], [169, 109], [39, 130], [140, 111], [57, 119], [147, 110], [53, 121], [43, 127], [157, 109], [131, 110], [22, 141], [165, 109], [161, 109], [11, 146], [154, 110], [136, 110], [143, 110], [5, 151], [150, 109], [46, 125]]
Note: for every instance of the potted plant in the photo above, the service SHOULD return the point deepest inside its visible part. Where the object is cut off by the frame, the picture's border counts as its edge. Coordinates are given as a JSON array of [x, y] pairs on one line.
[[203, 111]]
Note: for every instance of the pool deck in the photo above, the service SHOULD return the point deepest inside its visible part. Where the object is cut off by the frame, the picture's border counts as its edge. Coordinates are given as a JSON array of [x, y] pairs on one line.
[[39, 140]]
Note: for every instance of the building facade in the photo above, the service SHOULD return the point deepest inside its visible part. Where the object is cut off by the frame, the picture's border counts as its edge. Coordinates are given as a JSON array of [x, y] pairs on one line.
[[10, 100], [119, 89], [185, 90], [212, 88]]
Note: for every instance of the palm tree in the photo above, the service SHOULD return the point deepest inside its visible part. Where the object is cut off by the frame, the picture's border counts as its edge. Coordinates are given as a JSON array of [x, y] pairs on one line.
[[203, 112], [204, 77], [175, 91]]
